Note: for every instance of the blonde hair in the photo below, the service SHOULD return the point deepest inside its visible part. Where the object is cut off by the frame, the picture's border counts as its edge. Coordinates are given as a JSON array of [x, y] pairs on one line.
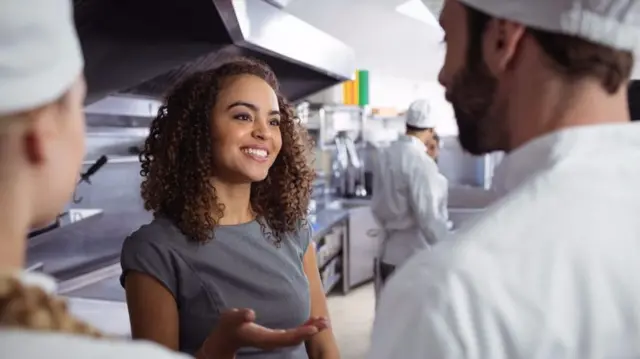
[[31, 308]]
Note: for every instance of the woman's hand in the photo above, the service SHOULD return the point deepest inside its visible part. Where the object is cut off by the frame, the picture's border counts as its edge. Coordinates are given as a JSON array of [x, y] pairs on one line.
[[237, 329]]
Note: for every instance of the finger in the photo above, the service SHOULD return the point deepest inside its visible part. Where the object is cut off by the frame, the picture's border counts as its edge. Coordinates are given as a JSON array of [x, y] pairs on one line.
[[306, 330], [291, 337], [313, 320], [238, 317], [322, 324], [310, 321], [319, 322], [249, 315], [265, 338]]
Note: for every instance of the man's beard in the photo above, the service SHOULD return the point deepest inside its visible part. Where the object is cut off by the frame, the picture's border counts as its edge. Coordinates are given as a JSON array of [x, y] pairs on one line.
[[472, 95]]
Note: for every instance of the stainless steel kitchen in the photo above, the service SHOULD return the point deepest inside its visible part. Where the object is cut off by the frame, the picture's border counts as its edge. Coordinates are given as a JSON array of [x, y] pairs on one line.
[[131, 62], [351, 76]]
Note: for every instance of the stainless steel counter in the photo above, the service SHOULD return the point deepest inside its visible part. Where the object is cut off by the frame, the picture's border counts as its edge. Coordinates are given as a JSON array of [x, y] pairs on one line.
[[112, 318], [322, 222], [84, 246]]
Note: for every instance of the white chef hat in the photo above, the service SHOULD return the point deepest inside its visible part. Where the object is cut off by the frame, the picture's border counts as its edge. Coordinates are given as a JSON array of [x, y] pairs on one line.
[[612, 23], [40, 55], [419, 115]]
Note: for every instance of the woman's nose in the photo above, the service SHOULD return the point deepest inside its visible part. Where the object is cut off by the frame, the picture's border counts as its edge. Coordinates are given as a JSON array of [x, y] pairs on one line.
[[261, 130]]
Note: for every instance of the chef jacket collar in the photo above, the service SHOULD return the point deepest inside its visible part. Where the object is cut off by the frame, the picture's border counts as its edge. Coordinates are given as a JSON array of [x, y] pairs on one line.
[[414, 140], [546, 151]]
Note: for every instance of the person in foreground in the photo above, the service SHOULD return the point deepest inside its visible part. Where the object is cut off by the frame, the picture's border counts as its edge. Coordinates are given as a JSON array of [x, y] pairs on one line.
[[404, 201], [552, 269], [41, 150], [228, 176]]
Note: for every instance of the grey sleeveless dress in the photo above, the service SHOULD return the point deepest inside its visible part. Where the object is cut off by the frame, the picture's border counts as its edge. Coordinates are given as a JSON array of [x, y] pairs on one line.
[[240, 268]]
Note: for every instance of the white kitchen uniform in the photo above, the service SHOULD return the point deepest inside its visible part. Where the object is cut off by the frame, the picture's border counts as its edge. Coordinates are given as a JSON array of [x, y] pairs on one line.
[[550, 271], [40, 55], [419, 115], [21, 344], [29, 344], [441, 198], [404, 199]]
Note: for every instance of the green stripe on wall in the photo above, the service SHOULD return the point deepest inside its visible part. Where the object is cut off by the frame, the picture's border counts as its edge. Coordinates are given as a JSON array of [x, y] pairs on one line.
[[363, 87]]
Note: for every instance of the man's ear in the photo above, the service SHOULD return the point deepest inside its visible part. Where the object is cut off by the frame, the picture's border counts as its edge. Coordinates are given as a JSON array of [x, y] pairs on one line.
[[501, 44], [37, 135]]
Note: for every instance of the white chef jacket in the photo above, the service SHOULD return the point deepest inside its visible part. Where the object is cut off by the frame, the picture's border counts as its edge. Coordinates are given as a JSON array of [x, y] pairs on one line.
[[404, 199], [549, 271], [26, 344], [441, 198]]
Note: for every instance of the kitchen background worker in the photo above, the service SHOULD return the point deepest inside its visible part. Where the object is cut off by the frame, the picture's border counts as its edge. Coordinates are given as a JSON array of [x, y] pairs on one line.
[[403, 200], [552, 268], [433, 146], [441, 190]]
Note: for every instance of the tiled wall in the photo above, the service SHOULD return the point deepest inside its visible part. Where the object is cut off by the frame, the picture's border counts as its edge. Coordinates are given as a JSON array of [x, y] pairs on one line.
[[458, 166]]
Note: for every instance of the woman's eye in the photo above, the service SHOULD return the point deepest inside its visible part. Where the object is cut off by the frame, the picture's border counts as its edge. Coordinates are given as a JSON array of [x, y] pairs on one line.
[[242, 117], [275, 122]]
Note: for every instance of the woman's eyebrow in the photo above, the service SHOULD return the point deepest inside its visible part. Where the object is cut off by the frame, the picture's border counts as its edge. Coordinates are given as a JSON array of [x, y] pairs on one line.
[[252, 107], [245, 104]]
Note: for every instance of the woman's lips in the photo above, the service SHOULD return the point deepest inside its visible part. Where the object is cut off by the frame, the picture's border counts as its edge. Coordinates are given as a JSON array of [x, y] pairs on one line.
[[257, 154]]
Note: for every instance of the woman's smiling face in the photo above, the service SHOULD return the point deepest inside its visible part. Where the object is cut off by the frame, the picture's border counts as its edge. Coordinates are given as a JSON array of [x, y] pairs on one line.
[[245, 126]]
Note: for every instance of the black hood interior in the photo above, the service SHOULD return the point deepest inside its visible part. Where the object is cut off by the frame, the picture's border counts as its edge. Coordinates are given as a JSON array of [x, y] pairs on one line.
[[143, 47], [634, 100]]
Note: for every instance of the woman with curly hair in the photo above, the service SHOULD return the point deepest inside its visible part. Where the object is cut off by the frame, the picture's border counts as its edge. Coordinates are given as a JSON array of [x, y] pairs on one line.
[[227, 175]]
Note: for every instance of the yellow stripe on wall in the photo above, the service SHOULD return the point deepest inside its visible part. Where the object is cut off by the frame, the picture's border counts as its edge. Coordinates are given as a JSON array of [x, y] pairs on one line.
[[346, 92], [356, 87], [351, 90]]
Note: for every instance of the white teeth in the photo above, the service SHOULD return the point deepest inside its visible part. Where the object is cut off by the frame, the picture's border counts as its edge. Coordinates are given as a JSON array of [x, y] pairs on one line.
[[256, 152]]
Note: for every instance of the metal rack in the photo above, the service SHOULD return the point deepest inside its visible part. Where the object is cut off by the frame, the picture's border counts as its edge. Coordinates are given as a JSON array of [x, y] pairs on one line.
[[325, 121]]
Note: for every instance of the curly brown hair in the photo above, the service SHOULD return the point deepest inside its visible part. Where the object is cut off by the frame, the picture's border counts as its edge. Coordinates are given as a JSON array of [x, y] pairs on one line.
[[177, 160]]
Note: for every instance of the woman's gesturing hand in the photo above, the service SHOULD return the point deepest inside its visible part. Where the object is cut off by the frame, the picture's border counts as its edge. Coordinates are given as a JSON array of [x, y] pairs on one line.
[[237, 329]]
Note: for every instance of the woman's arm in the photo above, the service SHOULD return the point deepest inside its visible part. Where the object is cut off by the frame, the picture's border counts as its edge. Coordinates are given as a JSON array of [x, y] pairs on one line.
[[154, 316], [322, 345], [152, 310]]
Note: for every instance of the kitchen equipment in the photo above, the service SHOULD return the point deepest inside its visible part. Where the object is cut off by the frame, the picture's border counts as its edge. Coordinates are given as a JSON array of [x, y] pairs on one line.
[[348, 170], [85, 177]]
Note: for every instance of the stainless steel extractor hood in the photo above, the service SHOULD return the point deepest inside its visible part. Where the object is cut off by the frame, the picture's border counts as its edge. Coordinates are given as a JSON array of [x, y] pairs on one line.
[[143, 47]]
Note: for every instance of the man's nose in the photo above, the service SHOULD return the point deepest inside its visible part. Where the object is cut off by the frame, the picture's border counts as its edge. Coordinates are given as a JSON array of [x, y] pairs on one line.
[[441, 77]]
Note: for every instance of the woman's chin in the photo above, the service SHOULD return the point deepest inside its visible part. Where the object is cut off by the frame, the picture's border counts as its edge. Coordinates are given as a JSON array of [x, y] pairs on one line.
[[255, 176]]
